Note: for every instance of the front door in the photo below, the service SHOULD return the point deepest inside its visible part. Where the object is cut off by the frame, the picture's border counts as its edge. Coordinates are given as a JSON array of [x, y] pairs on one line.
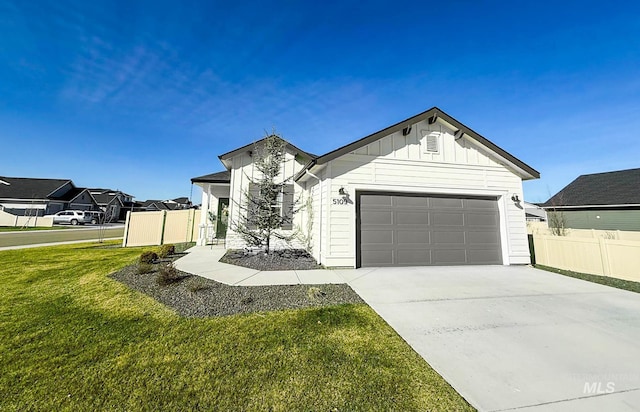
[[223, 218]]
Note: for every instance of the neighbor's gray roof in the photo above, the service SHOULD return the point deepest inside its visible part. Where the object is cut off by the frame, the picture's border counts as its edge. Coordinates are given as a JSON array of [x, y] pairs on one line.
[[29, 188], [220, 177], [620, 187]]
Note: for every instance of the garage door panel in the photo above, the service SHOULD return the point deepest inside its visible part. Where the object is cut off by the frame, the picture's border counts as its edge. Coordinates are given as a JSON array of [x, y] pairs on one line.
[[377, 217], [483, 256], [413, 257], [411, 218], [403, 230], [476, 219], [478, 238], [408, 201], [377, 236], [375, 200], [378, 257], [447, 219], [480, 204], [406, 237], [449, 256], [448, 237], [445, 203]]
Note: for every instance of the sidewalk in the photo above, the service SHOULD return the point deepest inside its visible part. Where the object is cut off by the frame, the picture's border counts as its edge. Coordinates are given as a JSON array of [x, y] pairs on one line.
[[204, 261]]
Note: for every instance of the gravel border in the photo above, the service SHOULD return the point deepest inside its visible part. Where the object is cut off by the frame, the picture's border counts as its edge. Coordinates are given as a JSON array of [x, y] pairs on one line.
[[198, 297], [284, 259]]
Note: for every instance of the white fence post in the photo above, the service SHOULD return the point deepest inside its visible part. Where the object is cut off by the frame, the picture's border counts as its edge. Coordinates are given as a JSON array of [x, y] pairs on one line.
[[126, 228]]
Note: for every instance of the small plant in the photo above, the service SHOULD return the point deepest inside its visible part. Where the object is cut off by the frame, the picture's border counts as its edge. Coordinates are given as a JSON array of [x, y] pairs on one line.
[[246, 300], [167, 250], [196, 284], [315, 293], [148, 257], [144, 268], [168, 274]]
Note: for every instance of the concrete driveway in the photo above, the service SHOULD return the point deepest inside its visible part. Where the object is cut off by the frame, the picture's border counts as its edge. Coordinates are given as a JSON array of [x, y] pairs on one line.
[[514, 337]]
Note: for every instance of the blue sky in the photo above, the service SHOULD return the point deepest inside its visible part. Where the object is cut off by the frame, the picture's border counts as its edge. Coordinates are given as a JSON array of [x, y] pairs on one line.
[[142, 96]]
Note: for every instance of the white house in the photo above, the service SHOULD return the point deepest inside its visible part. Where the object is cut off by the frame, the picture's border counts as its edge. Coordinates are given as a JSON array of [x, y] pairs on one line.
[[425, 191]]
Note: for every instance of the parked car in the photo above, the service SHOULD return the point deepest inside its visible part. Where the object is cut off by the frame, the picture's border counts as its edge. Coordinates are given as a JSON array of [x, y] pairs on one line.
[[95, 217], [72, 217]]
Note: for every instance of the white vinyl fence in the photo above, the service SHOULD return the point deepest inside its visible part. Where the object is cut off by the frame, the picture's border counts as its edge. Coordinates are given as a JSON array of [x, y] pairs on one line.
[[8, 219]]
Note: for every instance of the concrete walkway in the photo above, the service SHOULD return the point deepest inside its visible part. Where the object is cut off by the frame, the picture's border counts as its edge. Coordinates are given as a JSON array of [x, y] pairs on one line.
[[204, 261]]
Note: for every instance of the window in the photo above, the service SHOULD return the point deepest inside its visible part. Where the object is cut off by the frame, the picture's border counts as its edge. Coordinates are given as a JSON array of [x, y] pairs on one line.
[[282, 205]]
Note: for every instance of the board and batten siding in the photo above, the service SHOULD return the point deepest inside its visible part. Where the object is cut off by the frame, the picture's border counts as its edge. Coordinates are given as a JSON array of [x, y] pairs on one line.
[[398, 163], [242, 170]]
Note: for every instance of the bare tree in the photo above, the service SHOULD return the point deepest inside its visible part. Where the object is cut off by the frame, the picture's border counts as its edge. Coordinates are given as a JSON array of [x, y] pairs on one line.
[[557, 222], [556, 218], [268, 208]]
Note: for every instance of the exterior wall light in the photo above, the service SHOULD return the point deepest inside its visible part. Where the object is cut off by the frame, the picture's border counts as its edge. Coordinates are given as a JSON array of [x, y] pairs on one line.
[[342, 192], [515, 198]]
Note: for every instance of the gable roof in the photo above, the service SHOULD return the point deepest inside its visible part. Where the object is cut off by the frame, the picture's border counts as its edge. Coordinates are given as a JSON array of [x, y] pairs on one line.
[[617, 188], [226, 156], [432, 115], [220, 177], [183, 200], [29, 188], [73, 194]]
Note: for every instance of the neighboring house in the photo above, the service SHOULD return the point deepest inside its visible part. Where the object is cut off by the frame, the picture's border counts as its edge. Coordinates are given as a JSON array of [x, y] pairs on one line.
[[425, 191], [179, 203], [113, 202], [534, 212], [151, 206], [604, 201], [38, 197]]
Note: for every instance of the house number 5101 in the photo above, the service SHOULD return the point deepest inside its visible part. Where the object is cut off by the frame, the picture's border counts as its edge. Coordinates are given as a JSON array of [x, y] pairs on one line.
[[340, 201]]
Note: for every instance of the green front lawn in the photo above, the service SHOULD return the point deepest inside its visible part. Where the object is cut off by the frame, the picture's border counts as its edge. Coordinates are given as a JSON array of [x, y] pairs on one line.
[[73, 339], [603, 280], [27, 229]]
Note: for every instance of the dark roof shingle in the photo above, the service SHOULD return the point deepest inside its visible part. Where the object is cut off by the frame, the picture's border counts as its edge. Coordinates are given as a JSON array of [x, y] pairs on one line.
[[29, 188], [220, 177], [621, 187]]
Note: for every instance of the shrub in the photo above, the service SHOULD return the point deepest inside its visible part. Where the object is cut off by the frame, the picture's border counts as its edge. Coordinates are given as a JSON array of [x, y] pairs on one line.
[[196, 284], [148, 257], [168, 274], [167, 250], [315, 293], [144, 268]]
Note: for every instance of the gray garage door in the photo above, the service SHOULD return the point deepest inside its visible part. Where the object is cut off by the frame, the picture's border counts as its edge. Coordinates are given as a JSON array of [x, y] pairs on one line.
[[413, 230]]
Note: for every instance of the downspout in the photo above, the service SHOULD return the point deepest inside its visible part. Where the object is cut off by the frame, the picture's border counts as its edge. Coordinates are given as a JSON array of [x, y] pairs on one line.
[[306, 171]]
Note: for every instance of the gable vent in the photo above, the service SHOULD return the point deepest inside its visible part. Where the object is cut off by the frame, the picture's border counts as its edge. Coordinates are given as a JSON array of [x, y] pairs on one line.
[[432, 143]]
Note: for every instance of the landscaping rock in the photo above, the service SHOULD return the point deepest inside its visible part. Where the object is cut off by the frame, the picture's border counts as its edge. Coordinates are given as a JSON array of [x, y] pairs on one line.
[[211, 298], [286, 259]]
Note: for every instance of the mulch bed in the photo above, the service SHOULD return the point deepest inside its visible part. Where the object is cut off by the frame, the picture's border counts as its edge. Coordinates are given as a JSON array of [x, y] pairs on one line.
[[288, 259], [194, 296]]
